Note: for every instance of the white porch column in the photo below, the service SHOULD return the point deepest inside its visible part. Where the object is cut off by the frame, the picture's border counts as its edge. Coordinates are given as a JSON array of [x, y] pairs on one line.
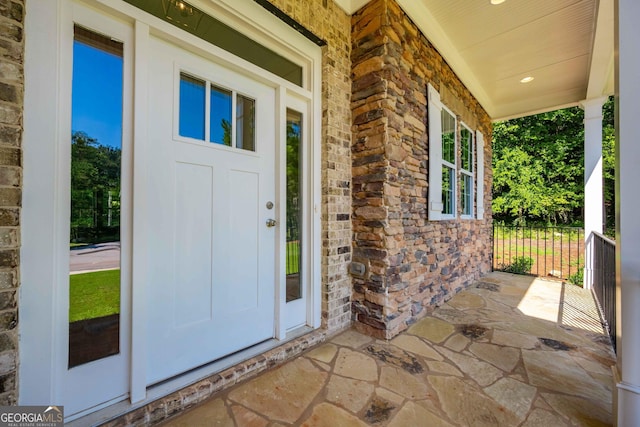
[[593, 193], [627, 371]]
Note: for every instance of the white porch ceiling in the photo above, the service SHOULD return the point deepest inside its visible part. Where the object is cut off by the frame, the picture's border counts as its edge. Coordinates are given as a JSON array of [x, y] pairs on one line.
[[566, 45]]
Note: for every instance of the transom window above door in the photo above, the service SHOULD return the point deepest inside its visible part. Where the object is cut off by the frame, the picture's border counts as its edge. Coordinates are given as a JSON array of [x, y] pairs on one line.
[[214, 114]]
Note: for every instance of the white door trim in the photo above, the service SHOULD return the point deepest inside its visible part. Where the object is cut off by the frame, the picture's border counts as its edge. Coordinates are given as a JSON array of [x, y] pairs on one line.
[[44, 293], [296, 313], [48, 35], [138, 390]]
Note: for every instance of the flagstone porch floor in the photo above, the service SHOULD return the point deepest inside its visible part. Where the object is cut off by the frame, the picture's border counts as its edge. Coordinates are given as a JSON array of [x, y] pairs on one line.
[[508, 351]]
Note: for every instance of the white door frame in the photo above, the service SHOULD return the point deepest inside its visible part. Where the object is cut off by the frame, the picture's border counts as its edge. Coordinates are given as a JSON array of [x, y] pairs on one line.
[[46, 204], [296, 313], [48, 35]]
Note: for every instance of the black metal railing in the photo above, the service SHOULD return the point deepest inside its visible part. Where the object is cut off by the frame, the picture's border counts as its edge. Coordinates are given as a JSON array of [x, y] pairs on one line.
[[541, 251], [601, 278]]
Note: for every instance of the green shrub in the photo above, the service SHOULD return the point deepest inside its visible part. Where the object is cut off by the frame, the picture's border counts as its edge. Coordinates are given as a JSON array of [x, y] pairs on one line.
[[519, 265], [577, 278]]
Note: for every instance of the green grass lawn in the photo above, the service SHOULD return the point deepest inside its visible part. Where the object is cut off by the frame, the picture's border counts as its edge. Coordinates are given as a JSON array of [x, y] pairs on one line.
[[293, 255], [95, 294]]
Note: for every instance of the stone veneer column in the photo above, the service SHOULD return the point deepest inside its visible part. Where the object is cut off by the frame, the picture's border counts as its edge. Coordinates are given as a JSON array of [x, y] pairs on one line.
[[412, 264], [326, 20], [11, 104]]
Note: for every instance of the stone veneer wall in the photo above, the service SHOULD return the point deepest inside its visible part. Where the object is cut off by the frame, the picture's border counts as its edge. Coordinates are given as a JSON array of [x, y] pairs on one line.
[[11, 103], [327, 21], [412, 264]]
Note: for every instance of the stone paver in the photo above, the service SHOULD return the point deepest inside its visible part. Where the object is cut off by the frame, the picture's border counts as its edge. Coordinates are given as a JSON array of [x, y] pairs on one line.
[[479, 360], [515, 395], [246, 418], [356, 365], [444, 368], [434, 330], [212, 413], [466, 300], [324, 353], [482, 372], [348, 393], [458, 342], [467, 406], [415, 415], [571, 379], [352, 339], [416, 346], [503, 358], [403, 383], [542, 418], [514, 339], [282, 394], [325, 415], [580, 411]]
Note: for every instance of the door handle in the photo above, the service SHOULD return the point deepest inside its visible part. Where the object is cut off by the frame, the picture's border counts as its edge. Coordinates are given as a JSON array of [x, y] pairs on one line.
[[271, 223]]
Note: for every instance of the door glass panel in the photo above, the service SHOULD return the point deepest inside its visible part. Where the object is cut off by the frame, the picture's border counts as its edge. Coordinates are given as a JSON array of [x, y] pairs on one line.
[[192, 107], [294, 202], [220, 116], [245, 123], [96, 147]]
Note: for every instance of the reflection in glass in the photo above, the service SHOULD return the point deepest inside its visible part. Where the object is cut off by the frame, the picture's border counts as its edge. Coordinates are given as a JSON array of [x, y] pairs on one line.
[[466, 176], [466, 142], [192, 107], [96, 147], [448, 137], [448, 180], [220, 117], [467, 194], [294, 199], [245, 123]]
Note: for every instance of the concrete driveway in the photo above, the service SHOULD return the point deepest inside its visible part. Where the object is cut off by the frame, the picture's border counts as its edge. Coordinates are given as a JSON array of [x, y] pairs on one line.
[[102, 256]]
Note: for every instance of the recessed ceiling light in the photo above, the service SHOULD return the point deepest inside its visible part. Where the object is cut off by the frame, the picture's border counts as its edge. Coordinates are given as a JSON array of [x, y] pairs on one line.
[[497, 1], [526, 79]]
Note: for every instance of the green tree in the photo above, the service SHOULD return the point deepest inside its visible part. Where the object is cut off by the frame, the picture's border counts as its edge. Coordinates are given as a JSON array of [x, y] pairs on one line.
[[293, 180], [518, 185], [95, 189], [609, 165], [538, 167]]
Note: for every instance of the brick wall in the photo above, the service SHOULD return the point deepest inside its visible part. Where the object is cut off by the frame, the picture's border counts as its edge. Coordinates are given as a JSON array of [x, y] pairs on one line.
[[412, 264], [326, 20], [11, 102]]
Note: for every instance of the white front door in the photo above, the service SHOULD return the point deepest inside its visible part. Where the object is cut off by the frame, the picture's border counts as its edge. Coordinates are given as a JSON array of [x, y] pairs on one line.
[[211, 191]]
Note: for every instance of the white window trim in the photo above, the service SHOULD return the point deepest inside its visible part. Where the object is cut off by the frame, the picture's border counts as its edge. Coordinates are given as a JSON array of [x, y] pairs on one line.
[[436, 162], [469, 173], [479, 175]]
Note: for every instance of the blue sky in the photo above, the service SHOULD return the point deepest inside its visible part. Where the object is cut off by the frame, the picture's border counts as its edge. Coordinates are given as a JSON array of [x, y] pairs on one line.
[[97, 94]]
